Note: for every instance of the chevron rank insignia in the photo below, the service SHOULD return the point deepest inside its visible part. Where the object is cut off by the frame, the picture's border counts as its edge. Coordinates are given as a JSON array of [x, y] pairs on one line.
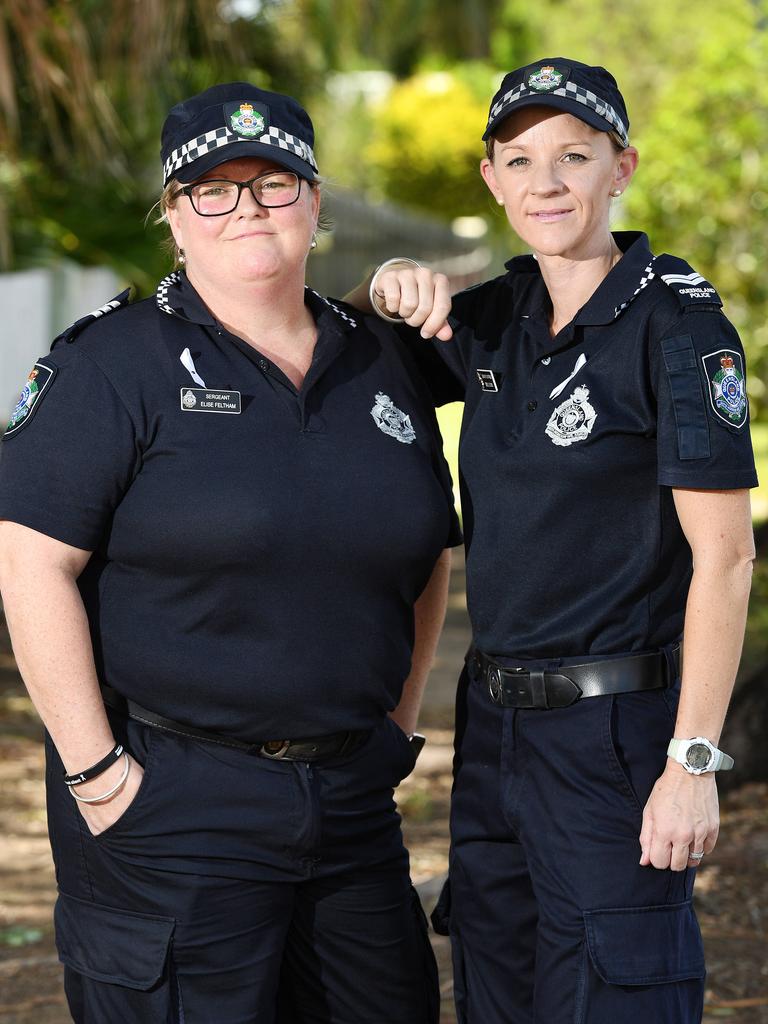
[[689, 286], [74, 329]]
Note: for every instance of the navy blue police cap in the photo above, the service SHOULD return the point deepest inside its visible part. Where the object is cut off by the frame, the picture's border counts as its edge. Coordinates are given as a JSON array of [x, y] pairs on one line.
[[589, 93], [233, 120]]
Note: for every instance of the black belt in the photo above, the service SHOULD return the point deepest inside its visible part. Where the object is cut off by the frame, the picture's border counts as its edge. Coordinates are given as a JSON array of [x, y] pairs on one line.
[[313, 748], [542, 689]]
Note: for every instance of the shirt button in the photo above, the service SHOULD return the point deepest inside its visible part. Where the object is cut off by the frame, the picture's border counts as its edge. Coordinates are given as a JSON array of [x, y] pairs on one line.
[[263, 364], [532, 405]]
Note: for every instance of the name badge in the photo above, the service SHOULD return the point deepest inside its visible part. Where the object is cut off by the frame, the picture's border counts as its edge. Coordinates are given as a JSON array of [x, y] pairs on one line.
[[488, 380], [208, 400]]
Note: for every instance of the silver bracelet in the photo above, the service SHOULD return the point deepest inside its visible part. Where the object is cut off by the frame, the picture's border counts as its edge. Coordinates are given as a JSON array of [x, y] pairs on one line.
[[372, 289], [110, 792]]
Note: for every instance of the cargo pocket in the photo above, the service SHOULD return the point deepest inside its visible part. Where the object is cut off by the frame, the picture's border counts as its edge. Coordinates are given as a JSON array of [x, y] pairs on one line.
[[645, 945], [430, 974], [441, 915], [115, 946], [441, 924]]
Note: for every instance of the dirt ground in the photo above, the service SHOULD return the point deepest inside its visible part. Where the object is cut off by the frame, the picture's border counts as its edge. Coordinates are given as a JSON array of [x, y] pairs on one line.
[[732, 887]]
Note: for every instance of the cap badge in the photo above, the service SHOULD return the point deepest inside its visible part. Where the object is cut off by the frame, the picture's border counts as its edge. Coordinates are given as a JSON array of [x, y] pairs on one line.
[[247, 121], [545, 79], [391, 420], [572, 420]]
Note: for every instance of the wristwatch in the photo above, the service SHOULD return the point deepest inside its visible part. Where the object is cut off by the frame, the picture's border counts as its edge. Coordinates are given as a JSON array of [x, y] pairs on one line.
[[698, 755]]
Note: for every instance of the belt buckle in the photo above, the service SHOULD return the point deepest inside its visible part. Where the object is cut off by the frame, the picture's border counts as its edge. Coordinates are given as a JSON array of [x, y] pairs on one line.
[[495, 681], [275, 750]]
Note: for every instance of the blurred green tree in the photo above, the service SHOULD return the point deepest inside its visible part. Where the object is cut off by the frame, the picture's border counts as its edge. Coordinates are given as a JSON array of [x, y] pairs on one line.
[[84, 86]]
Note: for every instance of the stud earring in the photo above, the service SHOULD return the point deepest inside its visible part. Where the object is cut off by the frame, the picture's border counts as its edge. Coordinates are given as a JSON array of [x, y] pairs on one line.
[[615, 192], [313, 243], [500, 202], [182, 259]]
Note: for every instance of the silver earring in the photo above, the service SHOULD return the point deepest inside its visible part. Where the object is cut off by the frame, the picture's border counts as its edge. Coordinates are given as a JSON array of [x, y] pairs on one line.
[[500, 202], [313, 243], [615, 192], [182, 259]]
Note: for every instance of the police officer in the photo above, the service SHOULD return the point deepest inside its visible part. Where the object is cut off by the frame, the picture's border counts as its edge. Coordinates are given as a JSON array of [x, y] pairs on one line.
[[224, 516], [605, 461]]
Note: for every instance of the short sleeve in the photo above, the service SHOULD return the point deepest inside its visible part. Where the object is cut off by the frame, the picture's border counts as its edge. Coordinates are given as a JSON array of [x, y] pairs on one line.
[[69, 452], [439, 463], [441, 364], [700, 379]]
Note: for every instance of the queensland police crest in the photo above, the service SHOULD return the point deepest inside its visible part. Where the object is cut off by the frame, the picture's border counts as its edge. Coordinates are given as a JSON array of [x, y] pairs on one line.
[[246, 121], [572, 420], [727, 388], [391, 420], [35, 385]]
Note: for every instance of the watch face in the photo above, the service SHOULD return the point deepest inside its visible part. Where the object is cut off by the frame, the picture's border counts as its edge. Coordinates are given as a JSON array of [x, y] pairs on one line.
[[698, 755]]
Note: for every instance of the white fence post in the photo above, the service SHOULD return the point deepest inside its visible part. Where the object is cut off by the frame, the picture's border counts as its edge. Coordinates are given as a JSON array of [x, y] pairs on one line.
[[35, 305]]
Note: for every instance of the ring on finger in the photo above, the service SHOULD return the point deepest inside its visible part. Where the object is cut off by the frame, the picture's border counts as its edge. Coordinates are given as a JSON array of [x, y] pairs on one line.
[[696, 856]]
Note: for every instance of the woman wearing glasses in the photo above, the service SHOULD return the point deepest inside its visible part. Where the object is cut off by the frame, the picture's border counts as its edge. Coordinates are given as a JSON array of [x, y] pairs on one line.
[[233, 499]]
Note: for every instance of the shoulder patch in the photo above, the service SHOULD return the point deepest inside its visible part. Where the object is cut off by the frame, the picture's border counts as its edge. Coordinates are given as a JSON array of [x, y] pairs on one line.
[[37, 383], [74, 329], [690, 287], [724, 370]]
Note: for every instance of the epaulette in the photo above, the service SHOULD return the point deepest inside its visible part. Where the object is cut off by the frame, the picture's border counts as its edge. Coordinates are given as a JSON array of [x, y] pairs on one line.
[[690, 288], [74, 329]]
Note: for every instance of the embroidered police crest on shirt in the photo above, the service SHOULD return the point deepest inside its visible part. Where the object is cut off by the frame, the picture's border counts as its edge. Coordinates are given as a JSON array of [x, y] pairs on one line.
[[391, 420], [37, 382], [572, 420], [727, 389]]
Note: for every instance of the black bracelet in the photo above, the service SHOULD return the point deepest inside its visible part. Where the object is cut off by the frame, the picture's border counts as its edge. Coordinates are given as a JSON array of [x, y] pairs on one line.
[[97, 769]]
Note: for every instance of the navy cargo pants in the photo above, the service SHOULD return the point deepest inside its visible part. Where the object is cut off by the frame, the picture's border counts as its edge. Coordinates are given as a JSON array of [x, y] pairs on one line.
[[552, 919], [239, 890]]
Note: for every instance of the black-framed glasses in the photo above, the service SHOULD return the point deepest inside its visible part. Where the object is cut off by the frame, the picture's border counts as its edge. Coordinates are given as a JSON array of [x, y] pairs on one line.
[[216, 196]]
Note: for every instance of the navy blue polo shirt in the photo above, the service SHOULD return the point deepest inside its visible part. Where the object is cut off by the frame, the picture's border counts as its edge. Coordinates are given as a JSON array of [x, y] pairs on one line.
[[257, 549], [570, 448]]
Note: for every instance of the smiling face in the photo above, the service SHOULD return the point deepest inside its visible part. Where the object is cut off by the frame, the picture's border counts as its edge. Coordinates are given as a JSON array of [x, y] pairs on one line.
[[251, 244], [555, 175]]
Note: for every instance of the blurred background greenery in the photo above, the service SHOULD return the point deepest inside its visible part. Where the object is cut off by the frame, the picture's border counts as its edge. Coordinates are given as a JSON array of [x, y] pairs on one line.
[[399, 93]]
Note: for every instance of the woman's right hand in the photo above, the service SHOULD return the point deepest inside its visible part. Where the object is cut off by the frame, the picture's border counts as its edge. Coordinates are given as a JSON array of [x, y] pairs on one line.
[[103, 815], [418, 295]]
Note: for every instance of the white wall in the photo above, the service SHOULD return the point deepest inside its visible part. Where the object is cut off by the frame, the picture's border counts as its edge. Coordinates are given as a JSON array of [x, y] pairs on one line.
[[35, 306]]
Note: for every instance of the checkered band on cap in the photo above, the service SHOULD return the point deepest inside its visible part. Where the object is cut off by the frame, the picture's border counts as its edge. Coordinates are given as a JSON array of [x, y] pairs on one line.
[[570, 91], [219, 137]]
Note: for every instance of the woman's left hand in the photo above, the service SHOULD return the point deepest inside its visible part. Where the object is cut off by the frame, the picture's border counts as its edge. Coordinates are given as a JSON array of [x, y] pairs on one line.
[[419, 296], [681, 817]]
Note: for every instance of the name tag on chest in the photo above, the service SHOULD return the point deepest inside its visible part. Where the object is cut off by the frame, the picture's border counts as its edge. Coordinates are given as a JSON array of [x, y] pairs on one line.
[[208, 400]]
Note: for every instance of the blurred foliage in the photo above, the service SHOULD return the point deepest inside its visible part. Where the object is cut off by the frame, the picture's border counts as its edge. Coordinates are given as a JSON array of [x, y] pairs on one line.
[[399, 94], [84, 88], [424, 152]]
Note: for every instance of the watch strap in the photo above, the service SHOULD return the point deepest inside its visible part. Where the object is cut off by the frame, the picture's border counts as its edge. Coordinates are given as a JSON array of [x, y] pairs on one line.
[[723, 761]]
